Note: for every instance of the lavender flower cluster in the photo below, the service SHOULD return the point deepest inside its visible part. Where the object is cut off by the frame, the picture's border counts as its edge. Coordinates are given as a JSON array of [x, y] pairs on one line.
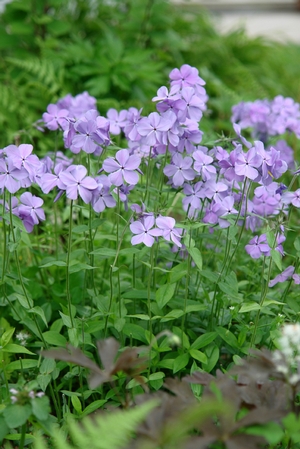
[[237, 184]]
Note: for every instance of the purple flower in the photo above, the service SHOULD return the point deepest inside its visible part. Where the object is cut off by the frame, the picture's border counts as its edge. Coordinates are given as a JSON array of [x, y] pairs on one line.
[[282, 277], [77, 183], [117, 120], [167, 226], [144, 231], [194, 195], [151, 128], [49, 181], [122, 168], [55, 117], [21, 157], [180, 170], [10, 176], [187, 76], [291, 198], [247, 164], [258, 246], [30, 210], [203, 165], [102, 197], [226, 208], [296, 278]]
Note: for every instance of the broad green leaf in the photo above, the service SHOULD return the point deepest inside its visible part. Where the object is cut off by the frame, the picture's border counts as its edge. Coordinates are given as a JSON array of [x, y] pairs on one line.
[[43, 380], [41, 408], [54, 338], [93, 406], [4, 428], [22, 364], [180, 362], [105, 253], [178, 272], [6, 336], [76, 404], [66, 319], [210, 275], [276, 256], [212, 353], [27, 303], [249, 307], [173, 315], [135, 331], [204, 340], [195, 308], [157, 376], [198, 355], [196, 256], [37, 310], [16, 349], [16, 415], [228, 337], [164, 294]]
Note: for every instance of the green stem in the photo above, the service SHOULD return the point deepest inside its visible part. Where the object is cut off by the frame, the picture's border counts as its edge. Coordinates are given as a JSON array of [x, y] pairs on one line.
[[23, 434], [264, 290], [149, 292], [111, 271], [69, 299]]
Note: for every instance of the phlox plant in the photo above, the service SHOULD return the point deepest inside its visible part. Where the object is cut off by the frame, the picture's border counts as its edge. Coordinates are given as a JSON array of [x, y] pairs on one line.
[[136, 227]]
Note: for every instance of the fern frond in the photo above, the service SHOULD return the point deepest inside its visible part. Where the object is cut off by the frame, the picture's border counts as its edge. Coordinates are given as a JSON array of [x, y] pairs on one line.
[[106, 431], [43, 70]]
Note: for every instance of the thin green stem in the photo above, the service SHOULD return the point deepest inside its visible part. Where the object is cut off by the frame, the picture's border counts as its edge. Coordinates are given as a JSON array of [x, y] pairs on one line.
[[69, 299], [111, 271], [22, 439], [149, 292]]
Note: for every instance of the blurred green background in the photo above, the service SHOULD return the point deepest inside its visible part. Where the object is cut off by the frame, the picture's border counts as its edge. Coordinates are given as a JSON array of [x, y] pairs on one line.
[[121, 52]]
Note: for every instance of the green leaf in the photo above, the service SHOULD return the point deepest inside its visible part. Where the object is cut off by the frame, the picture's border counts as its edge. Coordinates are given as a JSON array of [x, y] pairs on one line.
[[6, 336], [79, 266], [80, 229], [41, 408], [210, 275], [195, 308], [228, 337], [54, 338], [140, 316], [204, 340], [16, 415], [54, 263], [4, 428], [249, 306], [198, 355], [196, 256], [43, 380], [135, 331], [180, 362], [40, 312], [271, 431], [164, 294], [157, 376], [93, 406], [276, 256], [173, 315], [212, 352], [178, 272], [22, 364], [66, 319], [27, 303], [105, 253], [16, 349], [76, 404]]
